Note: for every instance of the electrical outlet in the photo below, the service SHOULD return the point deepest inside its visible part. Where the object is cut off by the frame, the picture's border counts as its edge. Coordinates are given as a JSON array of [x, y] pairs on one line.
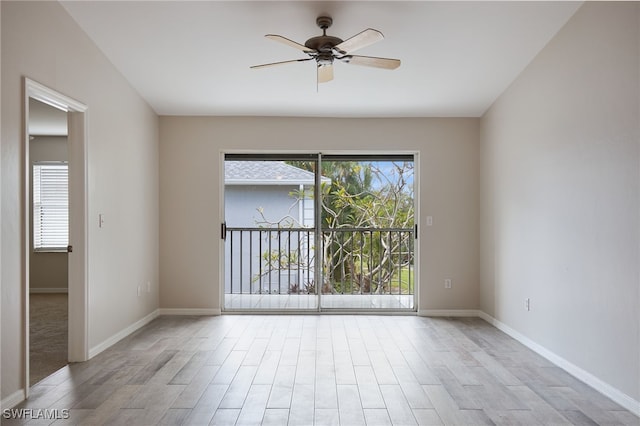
[[139, 290], [447, 283], [527, 304]]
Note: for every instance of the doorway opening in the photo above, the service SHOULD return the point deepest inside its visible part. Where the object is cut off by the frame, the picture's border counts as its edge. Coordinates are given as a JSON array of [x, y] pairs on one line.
[[55, 230], [49, 226], [319, 232]]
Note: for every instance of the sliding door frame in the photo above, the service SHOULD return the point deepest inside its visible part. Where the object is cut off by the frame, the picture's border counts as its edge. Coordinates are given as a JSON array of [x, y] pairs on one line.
[[256, 155], [317, 157]]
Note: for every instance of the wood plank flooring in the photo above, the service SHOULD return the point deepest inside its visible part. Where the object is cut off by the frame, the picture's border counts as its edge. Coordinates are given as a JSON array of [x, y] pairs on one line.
[[322, 370]]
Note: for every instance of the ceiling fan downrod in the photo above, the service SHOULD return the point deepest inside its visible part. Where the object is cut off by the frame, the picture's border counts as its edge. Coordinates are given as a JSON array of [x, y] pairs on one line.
[[323, 43]]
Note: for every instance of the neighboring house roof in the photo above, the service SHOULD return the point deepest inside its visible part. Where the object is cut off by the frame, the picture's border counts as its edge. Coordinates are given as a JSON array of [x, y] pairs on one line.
[[266, 173]]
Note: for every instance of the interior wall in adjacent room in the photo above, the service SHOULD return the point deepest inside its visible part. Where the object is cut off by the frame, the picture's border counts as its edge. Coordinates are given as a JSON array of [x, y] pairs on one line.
[[47, 270]]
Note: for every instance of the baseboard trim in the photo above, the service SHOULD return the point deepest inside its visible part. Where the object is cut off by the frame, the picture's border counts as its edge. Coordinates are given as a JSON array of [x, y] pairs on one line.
[[14, 399], [604, 388], [122, 334], [49, 290], [448, 313], [190, 311]]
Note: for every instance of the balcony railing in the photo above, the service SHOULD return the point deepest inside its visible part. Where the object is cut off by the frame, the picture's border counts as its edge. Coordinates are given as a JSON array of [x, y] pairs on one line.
[[352, 261]]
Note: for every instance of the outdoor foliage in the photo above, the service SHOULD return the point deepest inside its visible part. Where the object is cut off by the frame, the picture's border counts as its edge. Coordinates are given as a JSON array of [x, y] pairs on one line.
[[367, 231], [367, 226]]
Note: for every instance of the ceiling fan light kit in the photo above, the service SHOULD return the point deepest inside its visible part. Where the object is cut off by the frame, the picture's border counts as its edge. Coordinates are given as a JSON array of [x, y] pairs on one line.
[[325, 49]]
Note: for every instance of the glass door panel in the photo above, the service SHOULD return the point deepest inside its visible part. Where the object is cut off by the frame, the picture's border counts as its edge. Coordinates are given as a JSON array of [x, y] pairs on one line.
[[368, 233], [270, 236]]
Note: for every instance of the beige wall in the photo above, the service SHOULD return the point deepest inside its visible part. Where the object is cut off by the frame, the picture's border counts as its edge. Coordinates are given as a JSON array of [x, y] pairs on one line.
[[41, 41], [190, 208], [47, 270], [560, 194]]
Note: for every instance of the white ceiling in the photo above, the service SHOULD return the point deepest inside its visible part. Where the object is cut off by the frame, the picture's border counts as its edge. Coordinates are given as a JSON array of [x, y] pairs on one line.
[[193, 58]]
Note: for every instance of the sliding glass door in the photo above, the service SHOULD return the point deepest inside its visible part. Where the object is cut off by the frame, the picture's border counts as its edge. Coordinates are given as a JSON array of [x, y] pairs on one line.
[[270, 250], [368, 232], [319, 232]]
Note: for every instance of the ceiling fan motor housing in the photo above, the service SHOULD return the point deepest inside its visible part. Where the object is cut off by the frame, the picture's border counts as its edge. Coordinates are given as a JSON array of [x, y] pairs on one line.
[[323, 43]]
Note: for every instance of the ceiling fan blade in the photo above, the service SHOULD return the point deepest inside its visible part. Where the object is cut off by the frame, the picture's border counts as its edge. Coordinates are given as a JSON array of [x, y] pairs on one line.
[[358, 41], [325, 73], [371, 61], [280, 63], [288, 42]]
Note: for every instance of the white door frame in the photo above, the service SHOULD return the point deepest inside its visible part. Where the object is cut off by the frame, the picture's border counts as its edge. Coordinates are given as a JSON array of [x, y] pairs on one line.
[[78, 349]]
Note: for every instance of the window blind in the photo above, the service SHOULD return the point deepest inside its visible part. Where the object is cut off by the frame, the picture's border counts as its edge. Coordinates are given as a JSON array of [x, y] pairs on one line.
[[50, 206]]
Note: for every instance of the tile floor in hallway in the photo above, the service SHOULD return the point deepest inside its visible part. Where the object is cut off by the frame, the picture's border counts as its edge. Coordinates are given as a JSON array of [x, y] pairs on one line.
[[322, 370]]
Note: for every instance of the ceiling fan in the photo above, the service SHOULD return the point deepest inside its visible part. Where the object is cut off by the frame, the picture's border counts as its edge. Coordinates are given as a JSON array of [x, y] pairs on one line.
[[326, 49]]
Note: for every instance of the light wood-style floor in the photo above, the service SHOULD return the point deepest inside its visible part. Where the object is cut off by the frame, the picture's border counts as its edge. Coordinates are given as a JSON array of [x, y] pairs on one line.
[[323, 370]]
